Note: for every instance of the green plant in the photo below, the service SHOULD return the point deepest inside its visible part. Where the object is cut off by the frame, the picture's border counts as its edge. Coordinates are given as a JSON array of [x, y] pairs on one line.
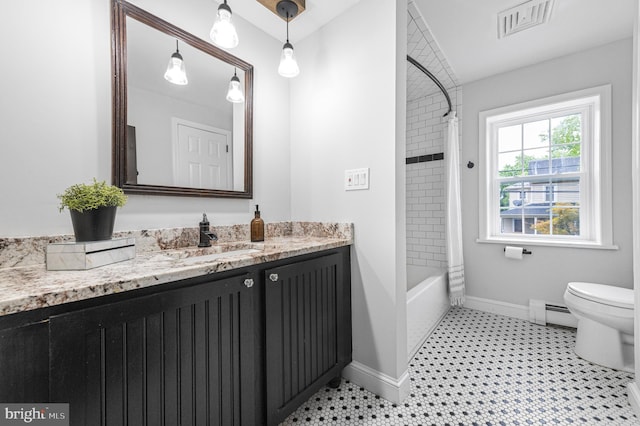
[[83, 197], [565, 221]]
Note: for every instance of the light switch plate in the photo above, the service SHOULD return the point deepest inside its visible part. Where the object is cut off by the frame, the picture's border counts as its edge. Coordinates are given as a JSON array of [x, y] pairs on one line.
[[356, 179]]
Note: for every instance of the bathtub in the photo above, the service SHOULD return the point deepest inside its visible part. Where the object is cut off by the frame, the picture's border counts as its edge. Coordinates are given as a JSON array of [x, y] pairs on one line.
[[427, 303]]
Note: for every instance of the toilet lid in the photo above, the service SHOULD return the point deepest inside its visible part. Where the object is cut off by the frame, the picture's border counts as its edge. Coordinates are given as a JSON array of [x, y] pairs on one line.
[[606, 294]]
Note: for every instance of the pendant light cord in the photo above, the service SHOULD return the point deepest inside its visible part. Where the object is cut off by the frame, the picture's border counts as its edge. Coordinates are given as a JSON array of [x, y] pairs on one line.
[[287, 26]]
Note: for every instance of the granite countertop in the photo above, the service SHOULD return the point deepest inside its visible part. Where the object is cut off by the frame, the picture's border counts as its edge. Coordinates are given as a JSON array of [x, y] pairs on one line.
[[24, 288]]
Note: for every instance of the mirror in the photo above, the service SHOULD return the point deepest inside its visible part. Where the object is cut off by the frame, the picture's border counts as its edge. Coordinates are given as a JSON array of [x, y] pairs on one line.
[[170, 139]]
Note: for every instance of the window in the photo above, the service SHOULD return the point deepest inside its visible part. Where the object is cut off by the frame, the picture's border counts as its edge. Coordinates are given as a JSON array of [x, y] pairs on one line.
[[548, 178]]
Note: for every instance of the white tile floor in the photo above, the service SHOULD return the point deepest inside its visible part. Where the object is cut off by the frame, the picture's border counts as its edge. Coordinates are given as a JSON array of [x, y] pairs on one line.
[[483, 369]]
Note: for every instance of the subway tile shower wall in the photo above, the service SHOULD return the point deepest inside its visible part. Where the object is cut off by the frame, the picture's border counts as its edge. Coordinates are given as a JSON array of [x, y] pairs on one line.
[[426, 128], [425, 214], [425, 181]]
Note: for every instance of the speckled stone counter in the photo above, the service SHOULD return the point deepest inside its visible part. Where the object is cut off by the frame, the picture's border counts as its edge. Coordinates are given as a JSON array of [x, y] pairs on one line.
[[169, 259]]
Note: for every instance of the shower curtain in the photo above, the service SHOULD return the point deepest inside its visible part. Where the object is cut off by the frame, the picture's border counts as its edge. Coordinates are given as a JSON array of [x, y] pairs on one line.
[[453, 214]]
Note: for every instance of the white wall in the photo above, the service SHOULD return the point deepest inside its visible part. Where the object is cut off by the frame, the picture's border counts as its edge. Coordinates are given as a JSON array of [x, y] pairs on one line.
[[544, 275], [56, 117], [348, 111]]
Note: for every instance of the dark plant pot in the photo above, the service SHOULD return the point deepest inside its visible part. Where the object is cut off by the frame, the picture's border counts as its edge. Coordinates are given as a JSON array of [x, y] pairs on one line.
[[93, 225]]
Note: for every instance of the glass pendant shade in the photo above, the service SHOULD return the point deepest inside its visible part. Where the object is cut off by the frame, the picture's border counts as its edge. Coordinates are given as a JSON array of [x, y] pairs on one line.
[[176, 73], [235, 94], [223, 33], [288, 64]]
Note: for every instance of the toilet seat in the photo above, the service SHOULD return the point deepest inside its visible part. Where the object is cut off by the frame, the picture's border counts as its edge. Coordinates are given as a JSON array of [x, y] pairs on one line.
[[605, 294]]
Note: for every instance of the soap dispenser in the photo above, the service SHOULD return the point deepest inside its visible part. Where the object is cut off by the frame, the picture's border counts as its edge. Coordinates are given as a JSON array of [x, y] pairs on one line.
[[257, 227]]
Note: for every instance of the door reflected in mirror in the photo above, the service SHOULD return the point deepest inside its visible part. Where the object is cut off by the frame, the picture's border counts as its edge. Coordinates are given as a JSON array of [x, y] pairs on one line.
[[180, 139]]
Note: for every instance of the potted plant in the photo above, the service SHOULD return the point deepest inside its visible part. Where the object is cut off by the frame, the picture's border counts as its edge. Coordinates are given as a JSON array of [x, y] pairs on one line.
[[93, 209]]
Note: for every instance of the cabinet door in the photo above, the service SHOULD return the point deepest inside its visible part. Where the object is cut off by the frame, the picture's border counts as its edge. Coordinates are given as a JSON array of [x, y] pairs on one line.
[[178, 357], [308, 330], [24, 363]]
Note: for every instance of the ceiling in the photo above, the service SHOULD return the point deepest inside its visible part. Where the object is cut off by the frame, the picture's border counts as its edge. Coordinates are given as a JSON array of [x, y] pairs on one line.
[[466, 30]]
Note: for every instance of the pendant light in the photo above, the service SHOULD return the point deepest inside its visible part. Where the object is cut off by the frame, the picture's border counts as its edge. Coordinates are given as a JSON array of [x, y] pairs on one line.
[[176, 73], [235, 94], [223, 33], [288, 64]]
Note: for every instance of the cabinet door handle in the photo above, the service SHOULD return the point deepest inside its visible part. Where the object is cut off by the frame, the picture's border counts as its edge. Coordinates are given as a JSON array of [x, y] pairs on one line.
[[248, 282], [273, 277]]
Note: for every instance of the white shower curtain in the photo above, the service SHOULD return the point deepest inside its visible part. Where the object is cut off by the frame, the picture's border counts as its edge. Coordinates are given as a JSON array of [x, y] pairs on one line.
[[453, 214]]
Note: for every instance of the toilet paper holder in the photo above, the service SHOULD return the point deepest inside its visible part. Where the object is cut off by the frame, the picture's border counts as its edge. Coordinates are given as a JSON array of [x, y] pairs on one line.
[[524, 251]]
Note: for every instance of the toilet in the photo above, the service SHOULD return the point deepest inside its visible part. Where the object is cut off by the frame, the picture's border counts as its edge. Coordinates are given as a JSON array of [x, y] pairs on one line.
[[605, 323]]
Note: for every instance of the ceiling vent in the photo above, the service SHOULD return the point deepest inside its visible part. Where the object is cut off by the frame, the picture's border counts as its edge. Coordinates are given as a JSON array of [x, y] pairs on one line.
[[526, 15]]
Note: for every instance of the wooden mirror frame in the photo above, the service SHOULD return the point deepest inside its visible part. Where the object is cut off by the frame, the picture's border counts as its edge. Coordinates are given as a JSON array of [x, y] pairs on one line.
[[121, 9]]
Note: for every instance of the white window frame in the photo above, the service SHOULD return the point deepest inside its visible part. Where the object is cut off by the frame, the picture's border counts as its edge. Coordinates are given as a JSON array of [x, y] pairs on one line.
[[596, 207]]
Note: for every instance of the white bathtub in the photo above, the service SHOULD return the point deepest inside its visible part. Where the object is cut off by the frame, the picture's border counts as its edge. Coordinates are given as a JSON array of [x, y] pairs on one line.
[[427, 303]]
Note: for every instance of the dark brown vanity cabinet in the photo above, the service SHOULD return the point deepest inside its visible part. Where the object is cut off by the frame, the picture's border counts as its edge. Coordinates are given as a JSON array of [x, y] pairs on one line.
[[178, 357], [24, 361], [241, 347], [308, 330]]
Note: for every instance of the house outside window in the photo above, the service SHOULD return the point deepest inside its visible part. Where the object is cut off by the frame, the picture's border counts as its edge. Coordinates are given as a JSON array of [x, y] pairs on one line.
[[547, 178]]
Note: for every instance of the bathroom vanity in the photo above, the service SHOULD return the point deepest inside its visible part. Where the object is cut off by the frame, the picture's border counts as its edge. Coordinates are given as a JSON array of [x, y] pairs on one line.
[[239, 337]]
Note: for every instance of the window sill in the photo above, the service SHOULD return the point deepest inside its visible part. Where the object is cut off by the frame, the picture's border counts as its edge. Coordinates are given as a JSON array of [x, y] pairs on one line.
[[554, 243]]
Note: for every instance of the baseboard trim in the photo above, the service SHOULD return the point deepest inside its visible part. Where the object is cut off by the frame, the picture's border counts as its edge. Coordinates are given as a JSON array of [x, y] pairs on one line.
[[634, 397], [497, 307], [394, 390]]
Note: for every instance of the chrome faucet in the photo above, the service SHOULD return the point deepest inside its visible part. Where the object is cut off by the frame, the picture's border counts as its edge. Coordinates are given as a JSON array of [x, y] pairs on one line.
[[206, 236]]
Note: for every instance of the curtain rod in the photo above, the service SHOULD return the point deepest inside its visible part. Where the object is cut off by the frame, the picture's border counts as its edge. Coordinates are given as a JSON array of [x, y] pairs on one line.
[[435, 80]]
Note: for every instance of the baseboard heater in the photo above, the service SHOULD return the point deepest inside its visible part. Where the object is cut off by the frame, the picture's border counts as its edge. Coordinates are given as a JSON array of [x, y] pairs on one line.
[[543, 313]]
